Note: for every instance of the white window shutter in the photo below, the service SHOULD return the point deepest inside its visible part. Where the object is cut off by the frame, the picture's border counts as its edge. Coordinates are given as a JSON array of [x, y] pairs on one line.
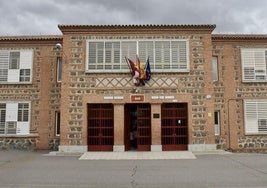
[[179, 55], [251, 123], [248, 64], [23, 128], [95, 55], [162, 54], [253, 64], [145, 50], [11, 111], [13, 75], [26, 59], [129, 50], [4, 62]]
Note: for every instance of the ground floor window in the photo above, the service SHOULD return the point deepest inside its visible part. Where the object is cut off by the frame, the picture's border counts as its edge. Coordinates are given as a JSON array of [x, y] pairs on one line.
[[57, 123], [14, 118], [217, 122], [255, 116]]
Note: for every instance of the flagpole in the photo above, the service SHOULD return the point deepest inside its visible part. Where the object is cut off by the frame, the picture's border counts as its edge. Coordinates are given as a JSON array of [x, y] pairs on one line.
[[128, 64]]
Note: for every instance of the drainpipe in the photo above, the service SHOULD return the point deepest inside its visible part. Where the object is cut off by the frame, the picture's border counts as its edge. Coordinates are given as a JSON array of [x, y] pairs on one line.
[[228, 121]]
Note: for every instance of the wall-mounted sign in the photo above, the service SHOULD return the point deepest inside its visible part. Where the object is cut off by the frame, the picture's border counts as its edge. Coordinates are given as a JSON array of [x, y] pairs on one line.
[[137, 98], [156, 116], [113, 97]]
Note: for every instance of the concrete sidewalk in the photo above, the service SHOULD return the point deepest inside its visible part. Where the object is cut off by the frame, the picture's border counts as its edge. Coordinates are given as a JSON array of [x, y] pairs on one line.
[[137, 155]]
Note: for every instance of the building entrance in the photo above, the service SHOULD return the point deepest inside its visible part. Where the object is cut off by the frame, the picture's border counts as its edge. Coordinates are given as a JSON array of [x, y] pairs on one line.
[[137, 124], [174, 126]]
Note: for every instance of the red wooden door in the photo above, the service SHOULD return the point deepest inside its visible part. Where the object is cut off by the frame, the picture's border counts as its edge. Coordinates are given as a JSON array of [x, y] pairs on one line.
[[174, 126], [143, 127], [100, 127]]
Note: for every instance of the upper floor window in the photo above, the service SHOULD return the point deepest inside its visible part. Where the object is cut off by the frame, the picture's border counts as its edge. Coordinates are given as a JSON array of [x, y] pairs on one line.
[[254, 64], [59, 69], [215, 68], [164, 55], [16, 66], [255, 116]]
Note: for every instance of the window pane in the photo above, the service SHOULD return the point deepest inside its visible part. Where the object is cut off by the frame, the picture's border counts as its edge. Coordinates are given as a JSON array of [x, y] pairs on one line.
[[59, 69], [57, 128], [217, 123], [25, 75], [14, 60]]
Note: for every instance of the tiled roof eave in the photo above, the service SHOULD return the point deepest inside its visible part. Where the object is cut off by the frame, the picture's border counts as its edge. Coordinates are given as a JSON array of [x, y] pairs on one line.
[[238, 37], [105, 28], [31, 38]]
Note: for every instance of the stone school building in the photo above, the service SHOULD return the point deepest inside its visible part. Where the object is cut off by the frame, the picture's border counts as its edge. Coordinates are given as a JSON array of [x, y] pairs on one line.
[[77, 92]]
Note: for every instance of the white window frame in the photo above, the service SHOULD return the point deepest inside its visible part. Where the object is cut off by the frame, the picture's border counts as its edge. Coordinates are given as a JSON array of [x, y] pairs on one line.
[[20, 127], [11, 75], [254, 64], [165, 66], [255, 112]]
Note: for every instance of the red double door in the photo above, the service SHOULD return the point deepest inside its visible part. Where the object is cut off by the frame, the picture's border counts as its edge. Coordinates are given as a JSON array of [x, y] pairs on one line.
[[100, 127], [174, 126]]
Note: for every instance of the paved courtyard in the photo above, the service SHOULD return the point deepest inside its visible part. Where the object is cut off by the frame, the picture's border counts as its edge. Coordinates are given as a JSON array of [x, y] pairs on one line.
[[37, 169]]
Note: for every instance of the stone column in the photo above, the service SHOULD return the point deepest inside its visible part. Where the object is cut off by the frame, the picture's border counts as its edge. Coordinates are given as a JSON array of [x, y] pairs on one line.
[[156, 127], [118, 128]]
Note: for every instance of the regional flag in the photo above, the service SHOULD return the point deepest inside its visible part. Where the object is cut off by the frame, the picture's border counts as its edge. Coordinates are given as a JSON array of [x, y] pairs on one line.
[[141, 69]]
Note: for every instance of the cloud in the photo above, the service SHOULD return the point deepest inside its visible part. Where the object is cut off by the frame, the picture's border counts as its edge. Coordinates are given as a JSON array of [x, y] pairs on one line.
[[29, 17]]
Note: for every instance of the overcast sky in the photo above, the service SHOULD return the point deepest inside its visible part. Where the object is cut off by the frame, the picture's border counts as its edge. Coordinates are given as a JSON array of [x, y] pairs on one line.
[[35, 17]]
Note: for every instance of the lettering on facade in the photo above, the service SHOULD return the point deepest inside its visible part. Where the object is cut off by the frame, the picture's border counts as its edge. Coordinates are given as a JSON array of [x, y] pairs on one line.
[[137, 98]]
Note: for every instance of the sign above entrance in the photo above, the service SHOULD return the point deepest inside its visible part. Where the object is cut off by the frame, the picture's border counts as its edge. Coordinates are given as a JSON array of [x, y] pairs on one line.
[[137, 98]]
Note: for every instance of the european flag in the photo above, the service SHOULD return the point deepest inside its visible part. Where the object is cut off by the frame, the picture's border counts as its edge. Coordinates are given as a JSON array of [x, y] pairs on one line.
[[148, 71]]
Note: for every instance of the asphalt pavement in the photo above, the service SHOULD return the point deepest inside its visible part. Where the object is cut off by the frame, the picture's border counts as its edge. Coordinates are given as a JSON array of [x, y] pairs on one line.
[[20, 169]]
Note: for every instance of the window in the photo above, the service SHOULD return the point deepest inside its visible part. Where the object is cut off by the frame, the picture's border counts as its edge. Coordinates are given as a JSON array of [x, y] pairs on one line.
[[217, 122], [254, 64], [16, 66], [164, 55], [14, 118], [255, 116], [59, 69], [23, 112], [57, 128], [215, 68], [2, 118]]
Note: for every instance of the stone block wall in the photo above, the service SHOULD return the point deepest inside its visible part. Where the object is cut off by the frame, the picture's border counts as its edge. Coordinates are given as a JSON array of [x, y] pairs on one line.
[[18, 143]]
